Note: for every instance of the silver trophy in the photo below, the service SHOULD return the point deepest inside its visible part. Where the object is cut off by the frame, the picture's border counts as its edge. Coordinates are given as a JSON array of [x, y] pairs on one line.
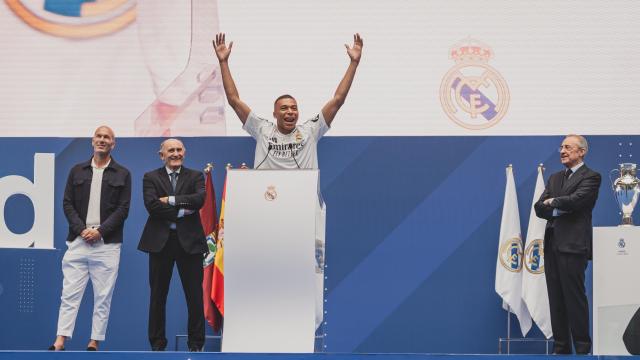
[[626, 189]]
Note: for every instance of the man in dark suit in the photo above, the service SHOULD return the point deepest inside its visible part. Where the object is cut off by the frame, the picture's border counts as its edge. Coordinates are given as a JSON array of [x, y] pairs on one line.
[[173, 233], [566, 203]]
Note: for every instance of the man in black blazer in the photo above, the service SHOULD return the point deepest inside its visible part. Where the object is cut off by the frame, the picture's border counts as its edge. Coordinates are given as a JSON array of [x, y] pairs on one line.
[[96, 203], [566, 203], [173, 196]]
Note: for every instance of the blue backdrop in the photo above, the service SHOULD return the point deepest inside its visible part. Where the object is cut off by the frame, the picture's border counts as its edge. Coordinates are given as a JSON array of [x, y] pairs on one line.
[[412, 235]]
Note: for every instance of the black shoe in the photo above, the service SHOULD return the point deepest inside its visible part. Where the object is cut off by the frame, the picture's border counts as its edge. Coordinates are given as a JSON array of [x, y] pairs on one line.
[[53, 348], [195, 349], [91, 348], [582, 347], [157, 348]]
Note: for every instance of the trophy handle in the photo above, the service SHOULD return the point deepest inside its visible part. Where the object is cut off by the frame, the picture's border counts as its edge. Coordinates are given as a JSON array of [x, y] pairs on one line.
[[613, 186], [612, 179]]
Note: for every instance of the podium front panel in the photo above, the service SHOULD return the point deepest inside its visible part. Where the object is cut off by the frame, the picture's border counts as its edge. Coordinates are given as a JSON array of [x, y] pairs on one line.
[[269, 270]]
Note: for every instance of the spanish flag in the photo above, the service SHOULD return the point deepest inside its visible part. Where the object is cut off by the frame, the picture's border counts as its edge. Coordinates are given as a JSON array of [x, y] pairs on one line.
[[209, 217], [217, 284]]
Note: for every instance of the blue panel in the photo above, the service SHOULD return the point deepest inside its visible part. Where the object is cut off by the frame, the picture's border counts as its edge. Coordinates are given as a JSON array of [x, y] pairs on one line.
[[230, 356], [412, 235]]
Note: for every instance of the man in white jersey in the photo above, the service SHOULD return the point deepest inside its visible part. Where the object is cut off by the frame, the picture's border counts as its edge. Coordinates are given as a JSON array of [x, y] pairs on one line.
[[286, 145], [96, 203]]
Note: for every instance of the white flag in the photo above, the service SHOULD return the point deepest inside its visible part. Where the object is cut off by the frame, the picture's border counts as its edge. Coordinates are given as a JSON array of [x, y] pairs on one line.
[[534, 283], [509, 262]]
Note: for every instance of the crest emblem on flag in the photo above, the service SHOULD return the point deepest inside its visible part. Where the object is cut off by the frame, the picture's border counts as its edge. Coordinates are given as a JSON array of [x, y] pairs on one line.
[[511, 255], [80, 19], [534, 257], [211, 244], [473, 94]]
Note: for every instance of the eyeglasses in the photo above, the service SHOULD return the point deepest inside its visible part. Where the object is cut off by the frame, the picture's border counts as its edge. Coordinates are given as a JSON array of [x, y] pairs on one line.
[[568, 148]]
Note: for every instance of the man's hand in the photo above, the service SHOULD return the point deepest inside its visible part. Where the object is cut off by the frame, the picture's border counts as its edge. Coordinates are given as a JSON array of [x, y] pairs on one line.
[[164, 200], [354, 51], [548, 201], [222, 51], [91, 235]]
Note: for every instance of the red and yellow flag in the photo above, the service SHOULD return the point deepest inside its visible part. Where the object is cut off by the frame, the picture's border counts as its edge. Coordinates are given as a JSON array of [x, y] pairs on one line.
[[209, 218], [217, 283]]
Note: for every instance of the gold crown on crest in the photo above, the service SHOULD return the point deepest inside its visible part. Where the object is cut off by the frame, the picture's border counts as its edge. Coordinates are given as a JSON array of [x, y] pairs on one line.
[[471, 50]]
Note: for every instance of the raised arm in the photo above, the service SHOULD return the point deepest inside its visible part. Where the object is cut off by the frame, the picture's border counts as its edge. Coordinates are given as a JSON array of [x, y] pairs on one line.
[[233, 97], [331, 108]]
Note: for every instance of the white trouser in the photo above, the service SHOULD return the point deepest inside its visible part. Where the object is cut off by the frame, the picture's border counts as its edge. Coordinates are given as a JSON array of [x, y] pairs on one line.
[[82, 261]]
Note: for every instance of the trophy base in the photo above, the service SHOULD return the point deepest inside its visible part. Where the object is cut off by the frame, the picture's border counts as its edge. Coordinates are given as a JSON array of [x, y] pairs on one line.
[[627, 221]]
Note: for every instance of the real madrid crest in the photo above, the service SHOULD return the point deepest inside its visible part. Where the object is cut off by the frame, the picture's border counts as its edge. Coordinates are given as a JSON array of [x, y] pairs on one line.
[[622, 247], [473, 94], [534, 257], [511, 254], [75, 19], [271, 193]]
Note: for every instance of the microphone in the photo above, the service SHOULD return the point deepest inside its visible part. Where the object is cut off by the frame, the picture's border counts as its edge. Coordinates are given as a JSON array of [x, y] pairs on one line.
[[266, 156], [293, 156]]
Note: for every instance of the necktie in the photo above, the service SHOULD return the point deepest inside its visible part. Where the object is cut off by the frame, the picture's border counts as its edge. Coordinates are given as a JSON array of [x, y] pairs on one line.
[[174, 180], [567, 173]]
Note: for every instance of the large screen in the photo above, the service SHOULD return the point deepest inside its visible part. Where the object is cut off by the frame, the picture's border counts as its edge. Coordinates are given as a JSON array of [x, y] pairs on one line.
[[437, 67]]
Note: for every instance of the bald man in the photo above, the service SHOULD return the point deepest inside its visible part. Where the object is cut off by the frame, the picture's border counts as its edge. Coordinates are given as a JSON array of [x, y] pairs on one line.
[[96, 203], [173, 196]]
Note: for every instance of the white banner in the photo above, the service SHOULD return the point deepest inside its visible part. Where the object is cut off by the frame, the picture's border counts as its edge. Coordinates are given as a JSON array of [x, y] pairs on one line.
[[438, 67]]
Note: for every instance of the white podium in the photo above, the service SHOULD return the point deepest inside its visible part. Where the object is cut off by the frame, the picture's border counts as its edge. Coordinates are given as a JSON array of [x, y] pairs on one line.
[[273, 219], [616, 296]]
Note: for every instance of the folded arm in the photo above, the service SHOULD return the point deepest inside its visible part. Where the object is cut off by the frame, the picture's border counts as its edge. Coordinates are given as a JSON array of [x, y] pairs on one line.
[[583, 198], [543, 210], [152, 202], [195, 200]]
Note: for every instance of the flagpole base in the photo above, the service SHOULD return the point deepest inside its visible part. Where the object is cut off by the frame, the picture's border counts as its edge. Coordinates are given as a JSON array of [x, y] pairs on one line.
[[506, 343]]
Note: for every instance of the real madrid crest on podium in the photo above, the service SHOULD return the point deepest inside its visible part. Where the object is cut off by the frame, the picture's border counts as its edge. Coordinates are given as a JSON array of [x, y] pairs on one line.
[[271, 193], [473, 94]]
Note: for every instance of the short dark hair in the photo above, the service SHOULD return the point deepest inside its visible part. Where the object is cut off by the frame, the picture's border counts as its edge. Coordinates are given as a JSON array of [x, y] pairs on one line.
[[285, 96]]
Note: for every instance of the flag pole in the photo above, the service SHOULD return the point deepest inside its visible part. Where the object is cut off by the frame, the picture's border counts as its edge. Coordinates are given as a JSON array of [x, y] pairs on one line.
[[510, 167], [508, 330]]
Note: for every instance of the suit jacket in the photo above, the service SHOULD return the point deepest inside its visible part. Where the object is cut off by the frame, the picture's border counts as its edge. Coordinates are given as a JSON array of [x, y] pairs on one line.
[[115, 197], [189, 194], [573, 231]]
